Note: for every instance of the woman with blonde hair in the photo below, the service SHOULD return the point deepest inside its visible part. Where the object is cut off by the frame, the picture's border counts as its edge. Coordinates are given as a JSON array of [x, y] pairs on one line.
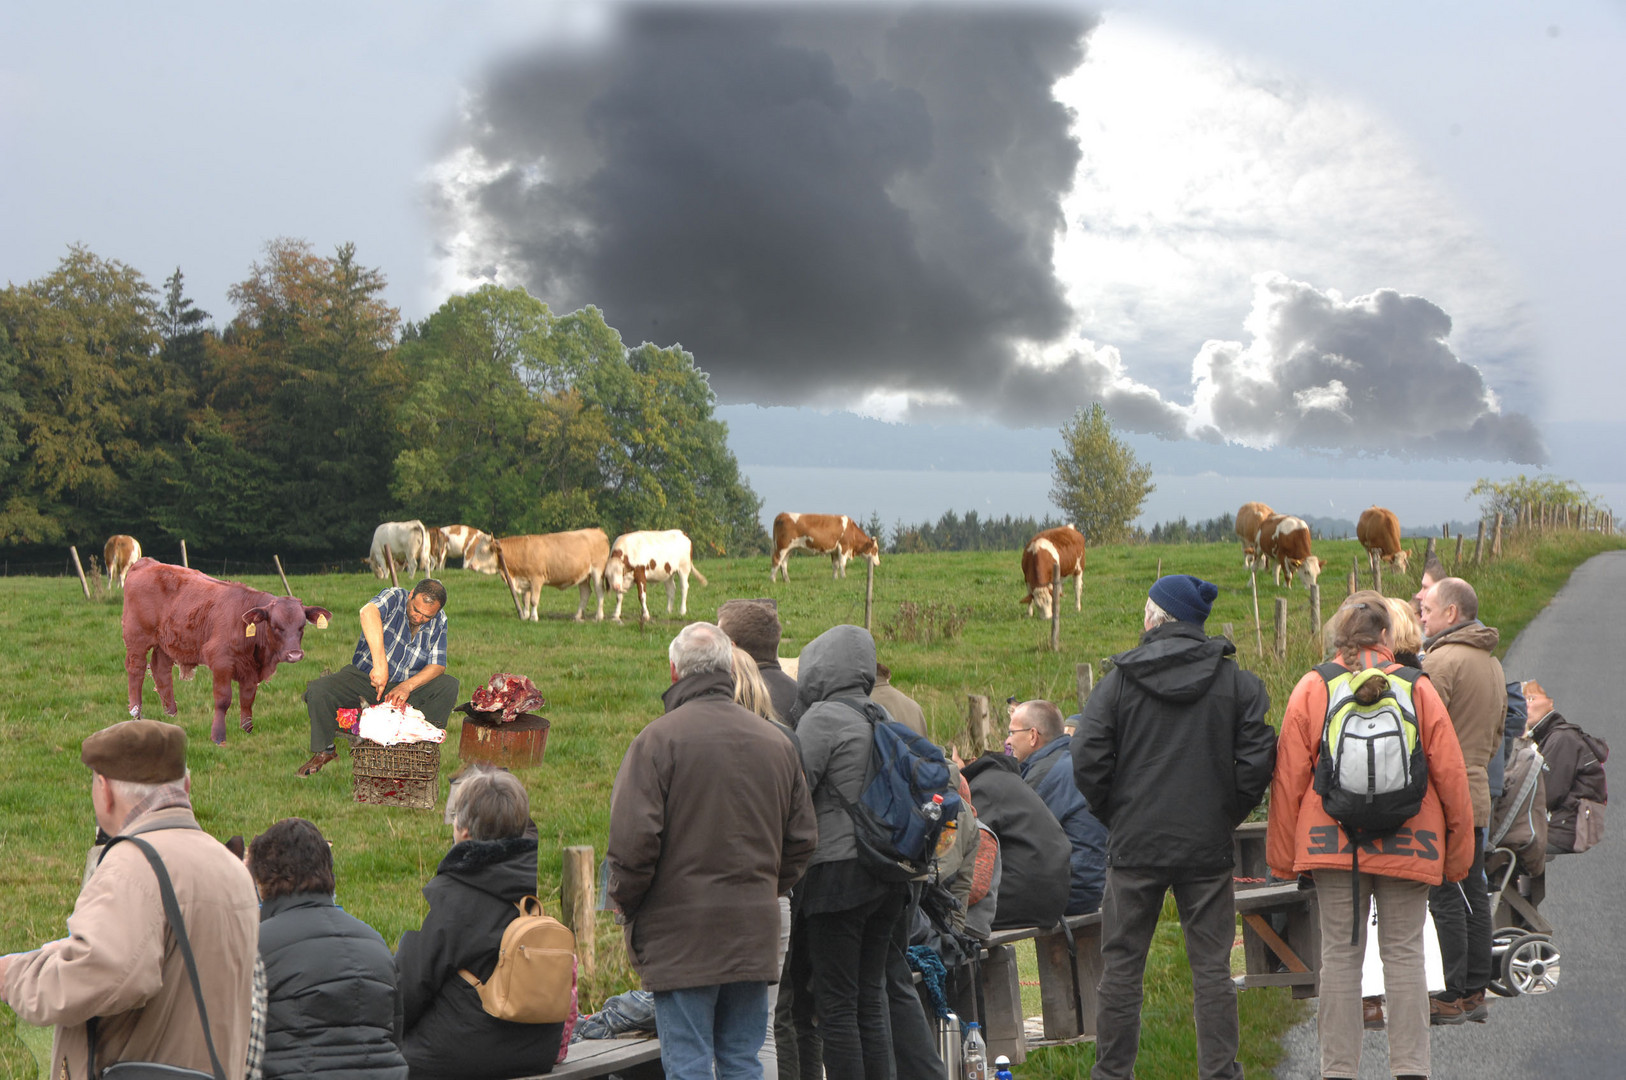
[[1406, 631], [1434, 846], [749, 688]]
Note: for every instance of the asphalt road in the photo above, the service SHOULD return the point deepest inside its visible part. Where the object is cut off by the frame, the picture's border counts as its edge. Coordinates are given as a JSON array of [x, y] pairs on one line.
[[1577, 649]]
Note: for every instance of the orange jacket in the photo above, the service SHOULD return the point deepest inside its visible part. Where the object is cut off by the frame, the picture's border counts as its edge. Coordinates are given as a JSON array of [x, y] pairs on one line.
[[1302, 837]]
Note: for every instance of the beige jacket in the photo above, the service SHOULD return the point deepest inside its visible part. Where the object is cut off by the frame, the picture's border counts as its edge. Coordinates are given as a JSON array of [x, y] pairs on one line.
[[120, 961], [900, 706], [1469, 679]]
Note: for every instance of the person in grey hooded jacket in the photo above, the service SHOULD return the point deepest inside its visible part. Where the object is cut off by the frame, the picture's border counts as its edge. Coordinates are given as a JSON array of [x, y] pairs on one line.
[[845, 918]]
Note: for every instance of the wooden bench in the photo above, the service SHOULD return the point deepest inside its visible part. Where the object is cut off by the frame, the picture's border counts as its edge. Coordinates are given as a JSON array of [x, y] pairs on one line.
[[633, 1057]]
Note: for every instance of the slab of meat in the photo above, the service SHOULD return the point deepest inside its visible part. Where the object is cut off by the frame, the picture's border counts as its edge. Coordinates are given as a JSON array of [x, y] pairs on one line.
[[507, 696]]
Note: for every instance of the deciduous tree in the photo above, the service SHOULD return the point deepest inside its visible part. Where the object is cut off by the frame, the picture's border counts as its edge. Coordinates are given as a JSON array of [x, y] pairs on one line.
[[1099, 484]]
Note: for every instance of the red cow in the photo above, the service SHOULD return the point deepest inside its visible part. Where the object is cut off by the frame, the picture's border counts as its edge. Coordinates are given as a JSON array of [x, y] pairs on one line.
[[836, 535], [1248, 519], [188, 618], [1379, 533], [1286, 540], [1063, 547]]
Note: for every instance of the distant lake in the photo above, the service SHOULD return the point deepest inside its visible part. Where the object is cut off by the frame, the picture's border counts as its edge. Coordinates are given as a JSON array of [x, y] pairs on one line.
[[915, 495]]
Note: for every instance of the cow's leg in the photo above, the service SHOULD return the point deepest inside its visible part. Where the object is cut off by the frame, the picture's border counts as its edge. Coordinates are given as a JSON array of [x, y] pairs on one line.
[[1078, 590], [581, 603], [620, 597], [671, 590], [135, 667], [683, 605], [598, 594], [777, 563], [643, 600], [245, 704], [222, 702], [533, 602], [163, 677], [835, 564]]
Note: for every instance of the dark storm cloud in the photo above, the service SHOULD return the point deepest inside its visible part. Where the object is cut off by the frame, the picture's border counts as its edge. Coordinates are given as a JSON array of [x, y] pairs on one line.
[[1370, 375], [818, 202]]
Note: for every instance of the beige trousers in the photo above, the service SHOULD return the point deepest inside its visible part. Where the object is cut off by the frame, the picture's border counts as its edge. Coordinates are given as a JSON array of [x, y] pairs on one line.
[[1401, 906]]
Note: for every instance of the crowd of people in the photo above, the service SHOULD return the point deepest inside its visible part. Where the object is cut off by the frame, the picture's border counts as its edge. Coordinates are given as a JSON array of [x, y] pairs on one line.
[[769, 945]]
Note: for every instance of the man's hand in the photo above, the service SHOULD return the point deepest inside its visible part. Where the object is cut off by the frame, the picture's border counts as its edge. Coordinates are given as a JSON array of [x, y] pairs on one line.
[[380, 675], [398, 696]]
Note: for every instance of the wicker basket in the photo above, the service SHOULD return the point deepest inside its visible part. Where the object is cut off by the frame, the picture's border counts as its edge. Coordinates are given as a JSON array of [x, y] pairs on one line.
[[405, 775]]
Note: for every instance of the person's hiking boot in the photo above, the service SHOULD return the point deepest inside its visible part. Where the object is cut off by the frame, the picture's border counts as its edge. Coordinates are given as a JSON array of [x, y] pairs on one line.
[[317, 760], [1474, 1007], [1446, 1012], [1372, 1013]]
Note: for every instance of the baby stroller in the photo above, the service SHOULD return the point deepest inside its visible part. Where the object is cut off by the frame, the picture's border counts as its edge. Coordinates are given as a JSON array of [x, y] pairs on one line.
[[1524, 959]]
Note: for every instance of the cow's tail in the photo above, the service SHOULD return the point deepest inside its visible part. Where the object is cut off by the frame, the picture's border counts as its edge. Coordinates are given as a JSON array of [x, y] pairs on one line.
[[698, 576]]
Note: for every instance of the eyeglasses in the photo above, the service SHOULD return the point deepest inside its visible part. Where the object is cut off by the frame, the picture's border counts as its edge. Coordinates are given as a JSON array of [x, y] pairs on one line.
[[1017, 730]]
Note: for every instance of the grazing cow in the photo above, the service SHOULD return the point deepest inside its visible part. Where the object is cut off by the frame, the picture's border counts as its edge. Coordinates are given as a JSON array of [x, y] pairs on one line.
[[437, 550], [559, 559], [637, 558], [835, 535], [406, 541], [1379, 533], [458, 540], [186, 617], [1248, 519], [118, 554], [1287, 541], [1064, 548]]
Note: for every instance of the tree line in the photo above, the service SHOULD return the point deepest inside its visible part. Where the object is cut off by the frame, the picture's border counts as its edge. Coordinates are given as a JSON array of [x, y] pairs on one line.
[[317, 412]]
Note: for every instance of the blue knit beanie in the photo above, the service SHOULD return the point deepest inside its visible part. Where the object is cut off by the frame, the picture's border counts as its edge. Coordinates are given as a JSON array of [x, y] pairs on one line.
[[1187, 598]]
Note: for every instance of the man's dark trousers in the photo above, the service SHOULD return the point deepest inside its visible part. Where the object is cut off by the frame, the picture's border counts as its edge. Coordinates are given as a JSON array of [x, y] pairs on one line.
[[350, 686], [914, 1043], [1464, 929], [1133, 901]]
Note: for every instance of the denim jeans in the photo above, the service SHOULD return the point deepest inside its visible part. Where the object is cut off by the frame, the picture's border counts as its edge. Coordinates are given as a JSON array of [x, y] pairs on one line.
[[704, 1024]]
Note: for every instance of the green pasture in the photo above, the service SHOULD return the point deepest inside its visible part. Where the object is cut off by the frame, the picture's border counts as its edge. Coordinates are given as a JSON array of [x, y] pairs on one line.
[[62, 674]]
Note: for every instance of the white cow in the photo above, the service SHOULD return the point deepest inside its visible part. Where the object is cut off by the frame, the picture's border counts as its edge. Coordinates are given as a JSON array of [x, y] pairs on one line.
[[459, 542], [406, 541], [637, 558]]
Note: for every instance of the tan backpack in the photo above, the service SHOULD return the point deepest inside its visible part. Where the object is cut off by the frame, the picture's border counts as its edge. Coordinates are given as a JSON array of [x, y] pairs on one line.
[[536, 970]]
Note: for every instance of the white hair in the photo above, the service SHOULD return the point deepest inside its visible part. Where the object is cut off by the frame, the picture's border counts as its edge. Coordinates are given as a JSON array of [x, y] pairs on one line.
[[701, 646], [1155, 616], [133, 792]]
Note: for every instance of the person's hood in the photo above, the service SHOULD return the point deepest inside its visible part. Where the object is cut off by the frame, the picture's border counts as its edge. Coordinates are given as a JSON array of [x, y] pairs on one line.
[[1555, 719], [973, 769], [1175, 661], [717, 684], [838, 663], [1474, 634], [504, 868]]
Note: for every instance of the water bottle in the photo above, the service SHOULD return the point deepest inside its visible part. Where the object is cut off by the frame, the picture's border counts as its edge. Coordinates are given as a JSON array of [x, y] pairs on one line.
[[933, 808], [1002, 1068], [976, 1053]]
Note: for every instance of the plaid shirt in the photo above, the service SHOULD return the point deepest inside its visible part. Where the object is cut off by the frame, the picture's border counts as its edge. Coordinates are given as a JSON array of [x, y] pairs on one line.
[[405, 652]]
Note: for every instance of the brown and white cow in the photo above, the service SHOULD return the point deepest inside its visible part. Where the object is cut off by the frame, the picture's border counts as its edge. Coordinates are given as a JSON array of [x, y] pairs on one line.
[[1379, 533], [835, 535], [1248, 519], [559, 559], [1286, 540], [1064, 548], [437, 551], [118, 555], [407, 542], [457, 540], [186, 617], [637, 558]]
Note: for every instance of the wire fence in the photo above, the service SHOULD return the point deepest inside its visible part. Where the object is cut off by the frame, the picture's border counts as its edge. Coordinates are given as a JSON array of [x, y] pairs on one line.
[[217, 566]]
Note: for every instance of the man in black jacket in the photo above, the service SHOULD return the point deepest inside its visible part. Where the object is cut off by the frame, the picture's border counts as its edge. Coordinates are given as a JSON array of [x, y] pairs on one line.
[[1172, 754], [1033, 888]]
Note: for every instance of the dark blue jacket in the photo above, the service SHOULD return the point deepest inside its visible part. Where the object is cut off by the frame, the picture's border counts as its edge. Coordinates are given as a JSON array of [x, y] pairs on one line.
[[1050, 773]]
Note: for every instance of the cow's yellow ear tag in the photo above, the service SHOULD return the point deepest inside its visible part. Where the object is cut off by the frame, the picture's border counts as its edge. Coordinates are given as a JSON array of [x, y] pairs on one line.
[[321, 622], [248, 631]]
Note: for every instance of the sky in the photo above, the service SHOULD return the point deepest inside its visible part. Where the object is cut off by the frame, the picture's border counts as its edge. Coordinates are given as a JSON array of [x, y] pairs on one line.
[[1267, 236]]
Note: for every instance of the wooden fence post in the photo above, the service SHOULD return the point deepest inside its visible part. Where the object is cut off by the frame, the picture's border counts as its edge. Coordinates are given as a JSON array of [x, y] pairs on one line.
[[1281, 628], [1456, 560], [285, 586], [1429, 554], [1377, 575], [1479, 542], [77, 565], [1258, 631], [183, 556], [1445, 531], [1055, 611], [1354, 576], [869, 592], [389, 557], [1315, 611], [1085, 677], [976, 722], [1159, 569], [1496, 542], [576, 895]]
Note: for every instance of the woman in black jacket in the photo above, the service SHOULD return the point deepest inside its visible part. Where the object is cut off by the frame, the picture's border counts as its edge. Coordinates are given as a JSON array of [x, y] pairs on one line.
[[472, 899], [332, 1010]]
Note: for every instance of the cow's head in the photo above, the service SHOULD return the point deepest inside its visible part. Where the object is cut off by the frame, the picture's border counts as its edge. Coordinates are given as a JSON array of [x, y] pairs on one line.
[[1400, 560], [481, 554], [1311, 569], [867, 548], [279, 628], [619, 573]]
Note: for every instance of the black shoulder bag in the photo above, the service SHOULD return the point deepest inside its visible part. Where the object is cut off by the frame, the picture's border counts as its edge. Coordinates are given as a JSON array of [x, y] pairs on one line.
[[150, 1070]]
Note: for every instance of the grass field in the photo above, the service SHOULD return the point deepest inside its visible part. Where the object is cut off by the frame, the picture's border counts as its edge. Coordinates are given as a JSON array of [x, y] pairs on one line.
[[61, 667]]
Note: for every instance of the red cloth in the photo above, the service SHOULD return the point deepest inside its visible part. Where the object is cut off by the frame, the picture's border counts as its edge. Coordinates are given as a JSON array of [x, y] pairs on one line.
[[508, 695]]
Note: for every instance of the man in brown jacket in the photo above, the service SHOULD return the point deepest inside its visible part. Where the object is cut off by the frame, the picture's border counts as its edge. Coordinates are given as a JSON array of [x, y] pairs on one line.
[[1459, 661], [710, 823], [119, 961]]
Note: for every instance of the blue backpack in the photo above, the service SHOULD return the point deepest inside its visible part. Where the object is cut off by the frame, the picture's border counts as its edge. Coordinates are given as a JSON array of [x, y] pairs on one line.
[[895, 830]]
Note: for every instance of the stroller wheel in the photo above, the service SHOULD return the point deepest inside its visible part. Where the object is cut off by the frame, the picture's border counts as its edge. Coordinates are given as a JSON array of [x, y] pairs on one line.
[[1531, 965]]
